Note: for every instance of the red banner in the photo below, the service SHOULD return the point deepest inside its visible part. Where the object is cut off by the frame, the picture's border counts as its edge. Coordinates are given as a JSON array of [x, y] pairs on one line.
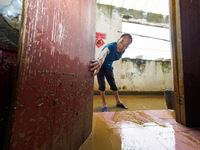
[[100, 35]]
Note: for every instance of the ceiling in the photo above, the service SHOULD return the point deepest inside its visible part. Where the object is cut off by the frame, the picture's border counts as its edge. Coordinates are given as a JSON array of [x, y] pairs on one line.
[[154, 6]]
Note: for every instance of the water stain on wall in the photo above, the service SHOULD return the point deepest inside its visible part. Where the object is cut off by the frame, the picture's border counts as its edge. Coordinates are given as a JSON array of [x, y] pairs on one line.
[[144, 75]]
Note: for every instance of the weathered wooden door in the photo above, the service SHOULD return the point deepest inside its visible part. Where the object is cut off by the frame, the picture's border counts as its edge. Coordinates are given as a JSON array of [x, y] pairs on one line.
[[185, 33], [52, 106]]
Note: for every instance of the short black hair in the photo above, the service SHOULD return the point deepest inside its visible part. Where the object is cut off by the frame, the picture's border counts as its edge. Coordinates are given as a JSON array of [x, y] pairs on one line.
[[130, 37]]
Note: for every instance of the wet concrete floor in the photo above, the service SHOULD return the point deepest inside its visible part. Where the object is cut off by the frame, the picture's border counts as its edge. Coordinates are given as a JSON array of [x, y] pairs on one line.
[[139, 127], [134, 102]]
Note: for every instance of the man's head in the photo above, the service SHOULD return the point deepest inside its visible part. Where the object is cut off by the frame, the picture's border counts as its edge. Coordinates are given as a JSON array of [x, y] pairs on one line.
[[123, 43]]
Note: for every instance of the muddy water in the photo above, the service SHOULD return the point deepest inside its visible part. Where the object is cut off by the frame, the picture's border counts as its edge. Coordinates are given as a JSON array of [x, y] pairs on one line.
[[134, 102], [128, 130], [102, 137], [135, 130]]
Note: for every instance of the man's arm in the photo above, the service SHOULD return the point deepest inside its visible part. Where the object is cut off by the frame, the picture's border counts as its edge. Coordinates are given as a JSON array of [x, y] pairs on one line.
[[96, 64]]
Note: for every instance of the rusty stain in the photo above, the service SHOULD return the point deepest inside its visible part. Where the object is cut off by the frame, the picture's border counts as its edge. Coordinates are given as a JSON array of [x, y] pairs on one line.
[[22, 113], [53, 95], [21, 104], [32, 120], [39, 34], [66, 66], [21, 135], [64, 73], [40, 89], [41, 99], [39, 105], [55, 101], [15, 144]]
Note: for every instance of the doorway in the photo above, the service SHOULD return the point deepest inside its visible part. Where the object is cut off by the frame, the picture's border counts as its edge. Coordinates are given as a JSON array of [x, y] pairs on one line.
[[184, 49], [137, 73]]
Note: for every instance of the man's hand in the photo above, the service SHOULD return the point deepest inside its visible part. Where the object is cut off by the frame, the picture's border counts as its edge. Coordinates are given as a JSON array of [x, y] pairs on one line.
[[95, 66]]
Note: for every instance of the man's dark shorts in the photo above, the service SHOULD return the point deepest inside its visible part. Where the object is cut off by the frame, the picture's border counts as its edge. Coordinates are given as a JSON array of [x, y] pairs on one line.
[[108, 73]]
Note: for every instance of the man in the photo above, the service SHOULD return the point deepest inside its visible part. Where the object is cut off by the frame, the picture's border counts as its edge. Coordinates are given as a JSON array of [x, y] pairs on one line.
[[102, 67]]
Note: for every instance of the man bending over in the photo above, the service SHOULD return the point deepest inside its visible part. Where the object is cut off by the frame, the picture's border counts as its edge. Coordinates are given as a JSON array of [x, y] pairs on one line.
[[102, 67]]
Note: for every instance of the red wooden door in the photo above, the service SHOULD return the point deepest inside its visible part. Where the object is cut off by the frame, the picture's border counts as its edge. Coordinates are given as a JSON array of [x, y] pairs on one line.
[[54, 93]]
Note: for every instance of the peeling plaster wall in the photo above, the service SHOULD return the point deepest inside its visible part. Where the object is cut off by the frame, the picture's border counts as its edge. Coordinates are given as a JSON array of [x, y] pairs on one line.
[[131, 74], [145, 75], [142, 75]]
